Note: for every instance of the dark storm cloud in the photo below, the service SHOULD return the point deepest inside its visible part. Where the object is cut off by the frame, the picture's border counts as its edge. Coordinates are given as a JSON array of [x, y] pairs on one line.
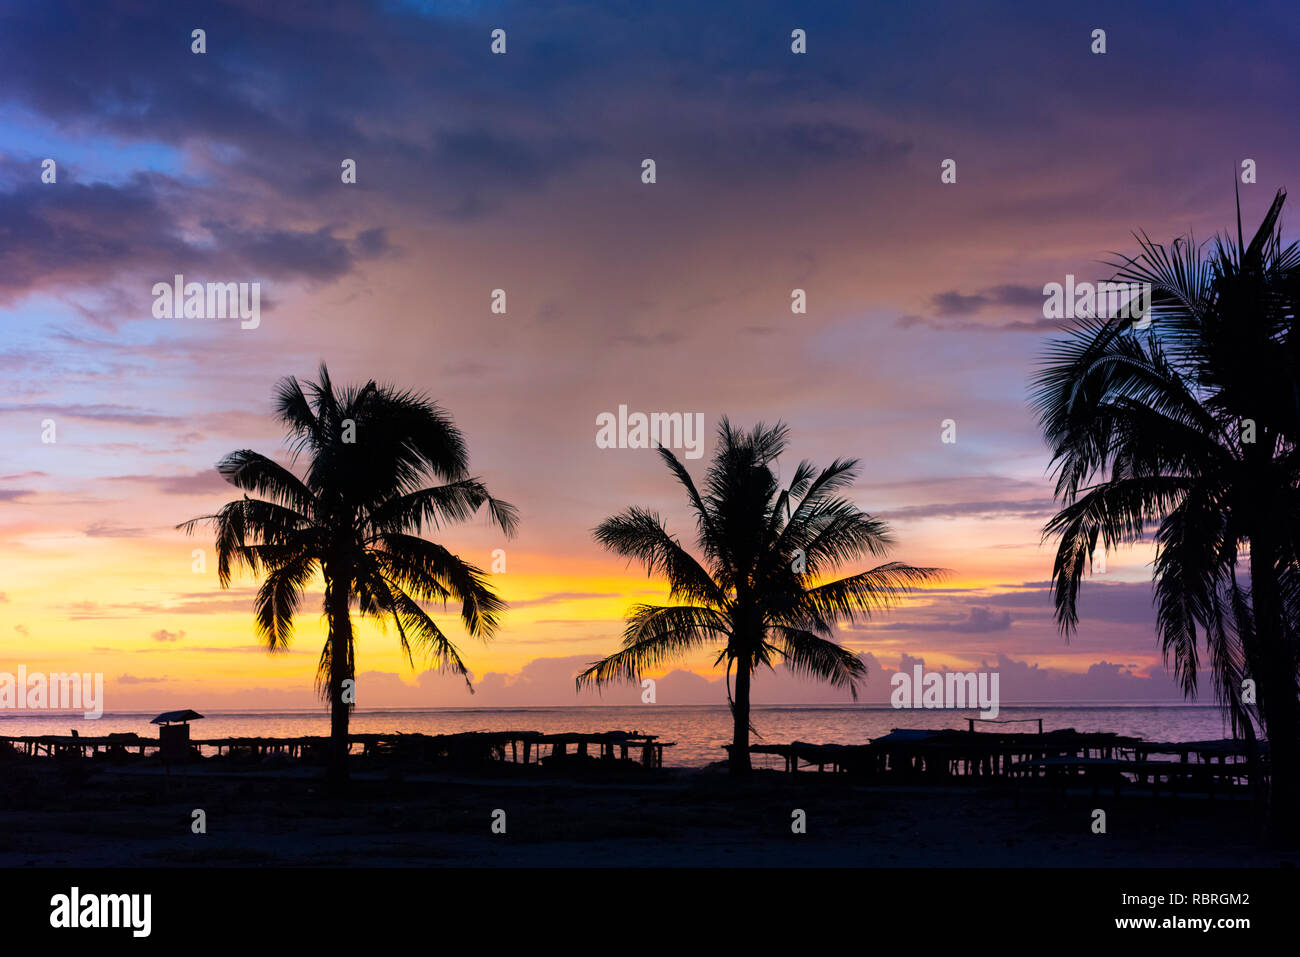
[[1034, 508], [115, 414], [979, 620], [1005, 308], [280, 252], [1120, 603], [313, 75], [954, 303], [285, 91], [81, 232], [1012, 295], [87, 233], [1030, 604]]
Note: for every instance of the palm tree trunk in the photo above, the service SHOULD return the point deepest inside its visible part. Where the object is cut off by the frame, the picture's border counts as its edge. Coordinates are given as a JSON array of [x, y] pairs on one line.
[[739, 762], [1276, 685], [340, 639]]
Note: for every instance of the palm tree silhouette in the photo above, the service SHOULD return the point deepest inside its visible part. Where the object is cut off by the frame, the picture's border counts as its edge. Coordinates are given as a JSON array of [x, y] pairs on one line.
[[764, 547], [356, 518], [1191, 427]]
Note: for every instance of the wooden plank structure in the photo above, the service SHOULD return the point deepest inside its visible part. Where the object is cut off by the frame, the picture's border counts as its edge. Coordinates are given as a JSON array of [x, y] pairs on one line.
[[56, 745], [1059, 758], [971, 722], [520, 747], [1214, 767], [517, 747], [936, 756]]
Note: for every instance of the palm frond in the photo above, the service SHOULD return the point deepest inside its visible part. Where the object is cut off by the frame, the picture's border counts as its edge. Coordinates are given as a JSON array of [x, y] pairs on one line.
[[812, 656]]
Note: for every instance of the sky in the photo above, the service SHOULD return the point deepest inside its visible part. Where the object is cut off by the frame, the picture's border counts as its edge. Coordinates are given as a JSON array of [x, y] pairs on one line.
[[523, 172]]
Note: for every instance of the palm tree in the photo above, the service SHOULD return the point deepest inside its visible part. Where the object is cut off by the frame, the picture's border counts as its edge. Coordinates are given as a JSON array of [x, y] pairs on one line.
[[1190, 428], [356, 516], [754, 596]]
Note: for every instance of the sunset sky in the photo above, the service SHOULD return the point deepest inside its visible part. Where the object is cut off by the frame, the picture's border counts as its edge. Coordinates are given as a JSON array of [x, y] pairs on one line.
[[522, 172]]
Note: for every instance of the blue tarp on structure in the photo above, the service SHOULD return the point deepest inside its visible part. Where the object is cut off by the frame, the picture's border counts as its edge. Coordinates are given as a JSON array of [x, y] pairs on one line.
[[910, 734]]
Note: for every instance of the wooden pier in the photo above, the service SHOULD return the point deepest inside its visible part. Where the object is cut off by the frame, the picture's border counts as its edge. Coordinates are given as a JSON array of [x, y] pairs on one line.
[[73, 745], [1057, 758], [939, 755], [515, 747]]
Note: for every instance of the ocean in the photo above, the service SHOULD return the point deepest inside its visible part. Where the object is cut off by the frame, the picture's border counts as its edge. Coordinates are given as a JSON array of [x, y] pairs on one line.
[[698, 732]]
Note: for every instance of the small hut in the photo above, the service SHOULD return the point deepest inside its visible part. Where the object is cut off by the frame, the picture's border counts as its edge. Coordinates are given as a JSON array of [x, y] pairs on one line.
[[174, 733]]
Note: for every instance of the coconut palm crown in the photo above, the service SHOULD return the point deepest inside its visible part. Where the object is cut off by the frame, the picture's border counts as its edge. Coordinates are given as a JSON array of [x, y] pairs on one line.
[[383, 467], [1183, 429], [755, 596]]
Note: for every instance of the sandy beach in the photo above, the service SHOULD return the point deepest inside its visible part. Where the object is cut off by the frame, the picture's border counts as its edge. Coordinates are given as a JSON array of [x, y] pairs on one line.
[[136, 817]]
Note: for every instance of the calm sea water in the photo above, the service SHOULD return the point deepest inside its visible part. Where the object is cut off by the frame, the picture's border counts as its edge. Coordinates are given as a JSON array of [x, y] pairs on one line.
[[699, 731]]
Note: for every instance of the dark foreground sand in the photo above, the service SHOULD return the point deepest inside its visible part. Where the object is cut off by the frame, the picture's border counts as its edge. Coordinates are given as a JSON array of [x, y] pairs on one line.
[[133, 816]]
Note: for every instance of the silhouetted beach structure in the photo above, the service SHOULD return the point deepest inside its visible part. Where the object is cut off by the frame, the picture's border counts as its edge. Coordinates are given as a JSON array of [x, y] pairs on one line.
[[174, 733], [513, 747], [1060, 759], [1056, 760], [73, 745]]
